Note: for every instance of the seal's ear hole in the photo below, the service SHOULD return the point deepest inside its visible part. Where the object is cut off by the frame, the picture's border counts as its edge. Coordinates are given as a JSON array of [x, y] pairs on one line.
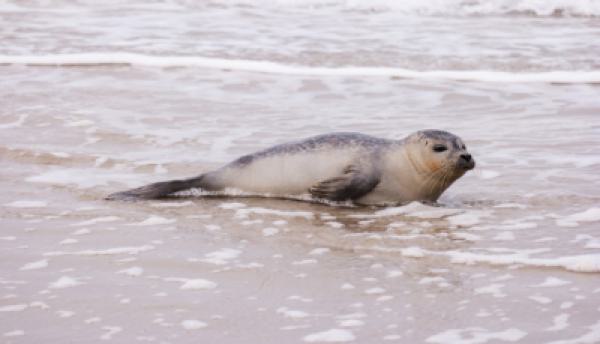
[[439, 148]]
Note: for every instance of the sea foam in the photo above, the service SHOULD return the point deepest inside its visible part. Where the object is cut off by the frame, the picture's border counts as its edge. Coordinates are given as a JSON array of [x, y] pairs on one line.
[[269, 67], [544, 8]]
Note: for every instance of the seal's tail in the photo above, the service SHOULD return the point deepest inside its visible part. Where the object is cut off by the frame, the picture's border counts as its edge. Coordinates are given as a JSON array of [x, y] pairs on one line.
[[157, 190]]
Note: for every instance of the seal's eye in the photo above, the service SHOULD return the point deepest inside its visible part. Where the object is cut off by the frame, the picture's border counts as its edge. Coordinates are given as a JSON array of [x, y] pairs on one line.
[[439, 148]]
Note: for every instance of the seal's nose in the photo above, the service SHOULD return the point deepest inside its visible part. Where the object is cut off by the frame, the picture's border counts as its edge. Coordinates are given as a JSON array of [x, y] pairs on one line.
[[466, 161]]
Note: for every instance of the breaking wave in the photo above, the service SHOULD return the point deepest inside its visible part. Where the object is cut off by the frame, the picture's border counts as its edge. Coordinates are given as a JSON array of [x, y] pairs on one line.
[[269, 67]]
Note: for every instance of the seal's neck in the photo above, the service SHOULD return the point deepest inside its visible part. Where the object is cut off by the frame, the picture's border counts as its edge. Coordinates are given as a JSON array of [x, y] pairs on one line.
[[419, 178]]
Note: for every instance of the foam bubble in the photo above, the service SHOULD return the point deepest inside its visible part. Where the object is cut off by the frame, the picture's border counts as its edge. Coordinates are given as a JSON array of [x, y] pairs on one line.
[[559, 322], [12, 308], [290, 313], [133, 271], [552, 282], [475, 335], [39, 264], [110, 251], [15, 333], [350, 323], [65, 282], [592, 336], [154, 220], [192, 324], [27, 204], [494, 289], [270, 231], [244, 212], [413, 252], [330, 336], [198, 284], [221, 256], [102, 219], [590, 215], [374, 291]]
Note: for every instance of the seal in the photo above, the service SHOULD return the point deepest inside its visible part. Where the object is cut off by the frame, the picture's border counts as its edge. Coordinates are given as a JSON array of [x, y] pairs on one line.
[[337, 167]]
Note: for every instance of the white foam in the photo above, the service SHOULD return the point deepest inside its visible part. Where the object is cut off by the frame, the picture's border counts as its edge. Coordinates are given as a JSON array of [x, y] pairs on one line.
[[350, 322], [467, 219], [330, 336], [15, 333], [192, 324], [110, 251], [551, 282], [27, 204], [413, 252], [270, 231], [92, 320], [39, 304], [110, 332], [504, 236], [86, 177], [65, 282], [133, 271], [591, 337], [446, 7], [475, 335], [540, 299], [488, 174], [432, 280], [290, 313], [577, 263], [269, 67], [221, 256], [172, 204], [68, 241], [559, 322], [39, 264], [231, 205], [102, 219], [12, 308], [154, 221], [590, 215], [319, 251], [198, 284], [304, 262], [580, 263], [244, 212], [65, 314], [82, 231], [494, 289], [394, 273], [413, 209], [374, 291]]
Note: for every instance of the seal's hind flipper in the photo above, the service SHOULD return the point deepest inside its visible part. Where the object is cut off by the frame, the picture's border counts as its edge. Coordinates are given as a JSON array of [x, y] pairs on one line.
[[351, 185], [156, 190]]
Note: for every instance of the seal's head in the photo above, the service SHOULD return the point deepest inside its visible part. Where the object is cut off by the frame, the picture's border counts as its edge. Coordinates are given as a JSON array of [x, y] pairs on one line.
[[439, 157]]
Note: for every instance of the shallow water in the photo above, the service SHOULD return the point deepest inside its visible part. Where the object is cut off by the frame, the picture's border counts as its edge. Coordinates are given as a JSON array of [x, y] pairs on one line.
[[511, 254]]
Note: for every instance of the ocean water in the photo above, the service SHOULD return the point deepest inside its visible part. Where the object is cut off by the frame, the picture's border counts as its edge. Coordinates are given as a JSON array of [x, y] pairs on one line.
[[96, 97]]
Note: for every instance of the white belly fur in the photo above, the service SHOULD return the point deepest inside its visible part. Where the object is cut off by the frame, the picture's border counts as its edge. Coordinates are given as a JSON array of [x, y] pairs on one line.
[[289, 174]]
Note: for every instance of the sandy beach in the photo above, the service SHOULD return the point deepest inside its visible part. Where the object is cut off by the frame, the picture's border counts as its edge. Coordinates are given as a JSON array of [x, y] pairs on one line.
[[128, 93]]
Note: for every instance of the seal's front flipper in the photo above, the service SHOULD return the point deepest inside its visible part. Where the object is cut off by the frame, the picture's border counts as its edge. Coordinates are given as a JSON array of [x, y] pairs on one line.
[[351, 185], [157, 190]]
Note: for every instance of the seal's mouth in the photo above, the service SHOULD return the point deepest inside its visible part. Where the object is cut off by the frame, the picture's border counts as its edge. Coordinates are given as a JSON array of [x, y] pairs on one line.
[[466, 162]]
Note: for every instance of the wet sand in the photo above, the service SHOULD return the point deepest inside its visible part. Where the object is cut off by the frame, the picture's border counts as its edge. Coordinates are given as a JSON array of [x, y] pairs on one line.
[[510, 254], [501, 259]]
